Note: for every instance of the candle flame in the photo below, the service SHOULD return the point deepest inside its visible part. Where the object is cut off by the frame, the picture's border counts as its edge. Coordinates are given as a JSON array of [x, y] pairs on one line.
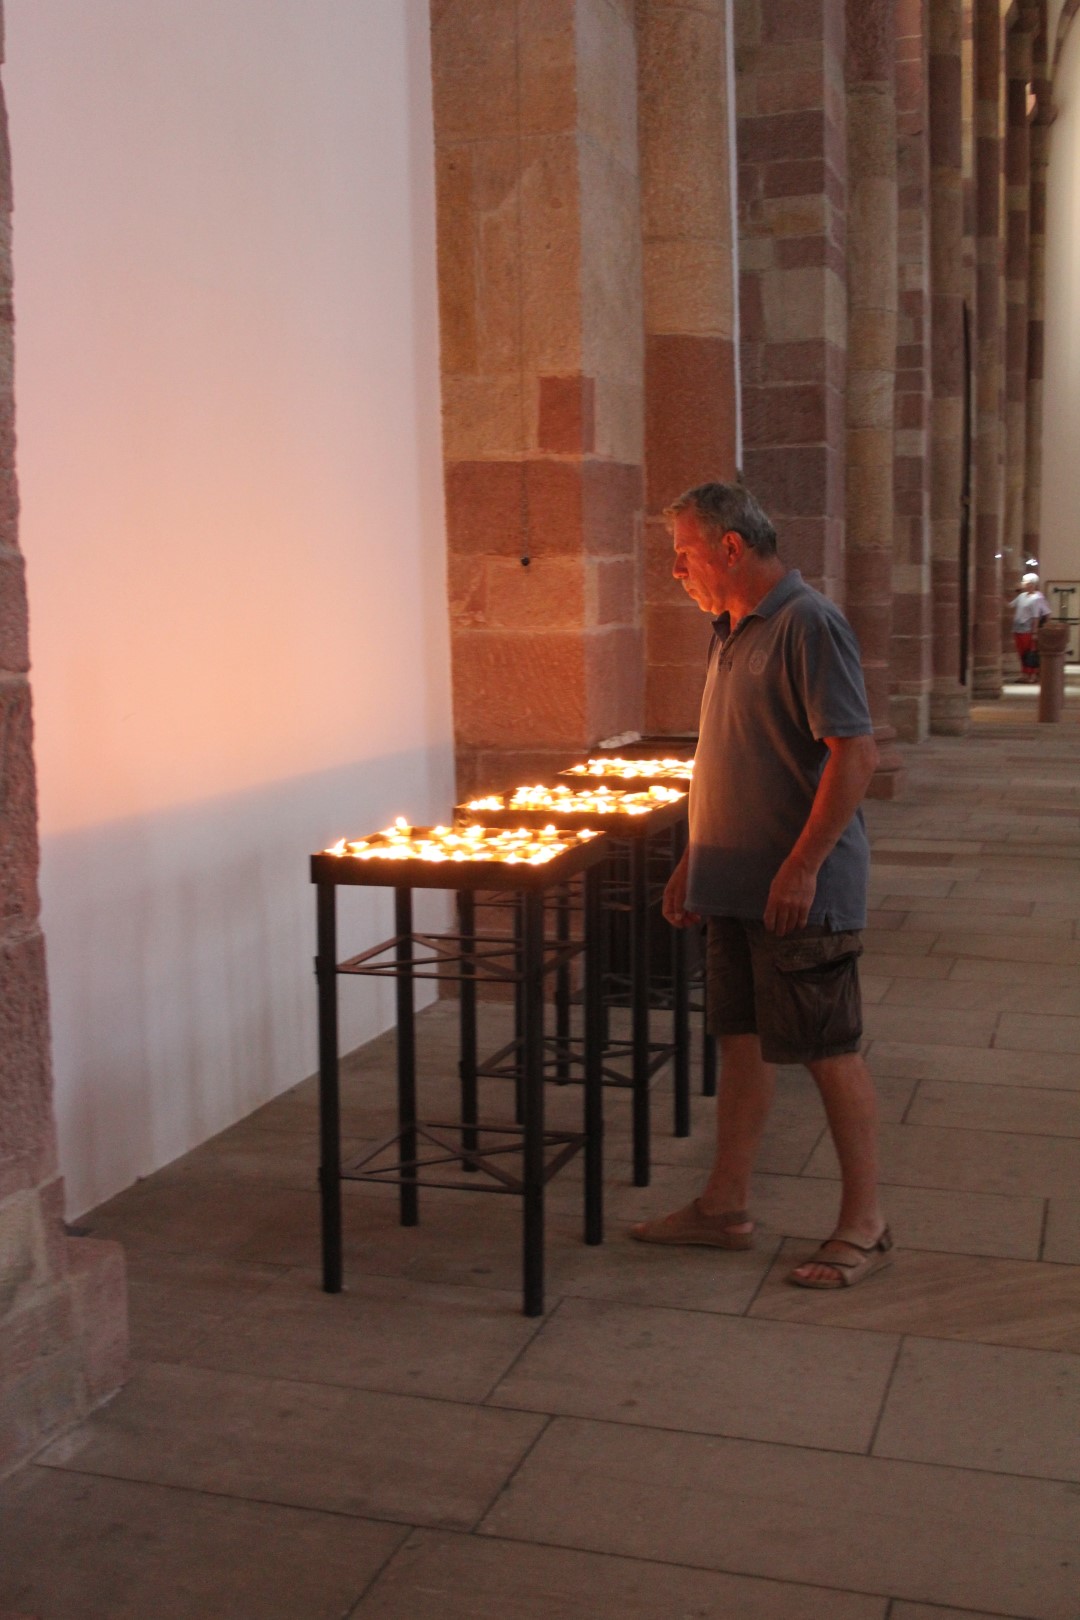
[[680, 770], [513, 846], [574, 801]]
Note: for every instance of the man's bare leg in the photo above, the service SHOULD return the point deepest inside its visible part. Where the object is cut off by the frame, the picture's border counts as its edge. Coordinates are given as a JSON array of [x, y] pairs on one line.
[[851, 1108], [743, 1100]]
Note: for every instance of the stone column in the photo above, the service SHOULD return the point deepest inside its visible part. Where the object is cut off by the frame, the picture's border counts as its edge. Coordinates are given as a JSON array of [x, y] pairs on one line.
[[950, 696], [1018, 57], [912, 646], [690, 361], [989, 368], [63, 1315], [792, 298], [871, 357], [1039, 135], [539, 246]]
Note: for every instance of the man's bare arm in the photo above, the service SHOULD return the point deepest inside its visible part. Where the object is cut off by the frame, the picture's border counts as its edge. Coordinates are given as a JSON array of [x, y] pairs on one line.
[[848, 769]]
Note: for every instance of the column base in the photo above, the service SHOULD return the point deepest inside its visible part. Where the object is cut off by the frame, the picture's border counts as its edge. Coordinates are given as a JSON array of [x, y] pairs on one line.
[[888, 779], [950, 713]]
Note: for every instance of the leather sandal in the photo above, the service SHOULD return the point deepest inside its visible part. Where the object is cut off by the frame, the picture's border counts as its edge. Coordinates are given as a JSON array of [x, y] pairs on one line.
[[692, 1226], [848, 1272]]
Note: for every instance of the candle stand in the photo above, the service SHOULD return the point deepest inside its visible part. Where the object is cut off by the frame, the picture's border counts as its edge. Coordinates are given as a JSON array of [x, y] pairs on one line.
[[632, 887], [422, 1153]]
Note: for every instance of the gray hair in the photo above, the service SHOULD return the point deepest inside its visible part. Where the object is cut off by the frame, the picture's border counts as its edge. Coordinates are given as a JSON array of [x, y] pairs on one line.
[[723, 507]]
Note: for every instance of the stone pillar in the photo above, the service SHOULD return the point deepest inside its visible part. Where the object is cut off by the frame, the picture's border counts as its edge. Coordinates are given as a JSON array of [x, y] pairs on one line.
[[539, 246], [912, 646], [1018, 59], [989, 368], [871, 357], [63, 1323], [690, 361], [1039, 136], [950, 696], [792, 292]]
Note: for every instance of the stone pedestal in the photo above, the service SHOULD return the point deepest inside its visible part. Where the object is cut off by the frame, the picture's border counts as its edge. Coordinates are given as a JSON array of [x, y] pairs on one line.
[[1053, 644]]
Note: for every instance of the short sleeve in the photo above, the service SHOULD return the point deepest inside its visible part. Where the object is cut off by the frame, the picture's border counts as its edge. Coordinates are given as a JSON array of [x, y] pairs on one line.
[[829, 672]]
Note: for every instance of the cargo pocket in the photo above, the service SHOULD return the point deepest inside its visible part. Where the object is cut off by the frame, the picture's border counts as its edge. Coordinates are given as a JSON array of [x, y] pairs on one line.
[[818, 1010]]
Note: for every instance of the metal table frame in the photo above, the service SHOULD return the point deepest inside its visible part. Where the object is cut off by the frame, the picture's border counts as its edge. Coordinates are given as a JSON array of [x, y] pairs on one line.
[[424, 1146], [640, 836]]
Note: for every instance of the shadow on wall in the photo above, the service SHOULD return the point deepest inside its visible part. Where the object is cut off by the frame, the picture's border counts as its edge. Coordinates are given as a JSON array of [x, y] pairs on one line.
[[181, 951]]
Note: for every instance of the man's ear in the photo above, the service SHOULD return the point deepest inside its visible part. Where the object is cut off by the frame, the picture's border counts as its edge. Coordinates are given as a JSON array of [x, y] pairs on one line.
[[734, 546]]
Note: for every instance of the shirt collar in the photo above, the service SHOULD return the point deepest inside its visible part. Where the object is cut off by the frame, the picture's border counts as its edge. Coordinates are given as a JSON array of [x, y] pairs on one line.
[[782, 592]]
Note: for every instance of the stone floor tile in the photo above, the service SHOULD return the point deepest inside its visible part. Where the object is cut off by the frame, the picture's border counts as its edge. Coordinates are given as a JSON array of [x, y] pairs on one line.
[[947, 1028], [921, 1217], [901, 941], [1062, 1240], [73, 1547], [677, 1370], [964, 1297], [1029, 1033], [873, 987], [879, 961], [248, 1223], [174, 1300], [1025, 1109], [939, 904], [925, 1611], [904, 882], [984, 1406], [1010, 971], [972, 995], [302, 1445], [940, 1535], [1049, 1071], [436, 1576], [970, 1161], [1035, 947], [377, 1335]]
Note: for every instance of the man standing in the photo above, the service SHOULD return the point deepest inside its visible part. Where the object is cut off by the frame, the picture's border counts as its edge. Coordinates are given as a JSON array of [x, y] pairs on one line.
[[777, 861]]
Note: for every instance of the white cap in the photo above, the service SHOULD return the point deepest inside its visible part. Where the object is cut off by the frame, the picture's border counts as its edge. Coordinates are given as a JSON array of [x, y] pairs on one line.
[[1030, 579]]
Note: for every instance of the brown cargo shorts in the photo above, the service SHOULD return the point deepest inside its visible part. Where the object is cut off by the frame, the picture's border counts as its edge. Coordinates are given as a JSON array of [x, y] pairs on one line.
[[800, 994]]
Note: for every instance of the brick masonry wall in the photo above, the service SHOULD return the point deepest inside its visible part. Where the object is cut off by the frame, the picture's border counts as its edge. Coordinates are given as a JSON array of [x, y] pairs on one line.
[[63, 1325], [793, 274], [539, 239]]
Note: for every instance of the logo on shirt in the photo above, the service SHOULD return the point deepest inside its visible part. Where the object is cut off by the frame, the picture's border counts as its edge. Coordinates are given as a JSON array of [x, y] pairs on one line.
[[756, 662]]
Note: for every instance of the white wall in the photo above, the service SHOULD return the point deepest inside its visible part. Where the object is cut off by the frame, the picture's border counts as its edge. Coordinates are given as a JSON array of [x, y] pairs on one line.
[[1060, 547], [227, 392]]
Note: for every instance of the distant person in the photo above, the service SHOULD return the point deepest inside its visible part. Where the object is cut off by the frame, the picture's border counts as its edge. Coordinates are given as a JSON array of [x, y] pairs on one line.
[[1030, 611], [778, 862]]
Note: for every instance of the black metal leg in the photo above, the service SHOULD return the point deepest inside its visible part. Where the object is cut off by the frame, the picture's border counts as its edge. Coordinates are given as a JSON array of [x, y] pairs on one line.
[[329, 1092], [594, 1080], [680, 1013], [406, 1057], [639, 1006], [532, 1083], [562, 989], [708, 1080], [467, 1012], [519, 1010]]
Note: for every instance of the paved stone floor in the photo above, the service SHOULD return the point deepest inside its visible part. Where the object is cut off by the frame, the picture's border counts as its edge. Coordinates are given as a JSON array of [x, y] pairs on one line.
[[683, 1435]]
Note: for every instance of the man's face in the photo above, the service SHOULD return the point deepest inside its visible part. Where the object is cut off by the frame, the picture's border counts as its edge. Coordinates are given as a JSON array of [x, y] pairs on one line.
[[702, 566]]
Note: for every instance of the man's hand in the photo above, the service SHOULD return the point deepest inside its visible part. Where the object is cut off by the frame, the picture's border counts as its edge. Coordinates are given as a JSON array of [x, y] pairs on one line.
[[791, 894], [675, 897]]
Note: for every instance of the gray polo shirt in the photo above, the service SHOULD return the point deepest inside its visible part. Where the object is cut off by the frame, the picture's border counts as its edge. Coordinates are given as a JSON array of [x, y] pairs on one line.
[[787, 677]]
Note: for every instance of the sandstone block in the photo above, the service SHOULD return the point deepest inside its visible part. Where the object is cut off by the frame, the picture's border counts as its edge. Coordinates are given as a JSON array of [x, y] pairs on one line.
[[612, 596], [677, 635], [457, 257], [547, 88], [567, 413], [682, 122], [689, 286], [482, 417], [519, 691], [616, 681], [786, 413], [466, 589], [794, 305], [602, 39], [473, 69], [612, 499], [99, 1297], [547, 595], [26, 1128], [792, 482], [486, 507], [14, 647], [673, 698], [689, 414], [23, 1262]]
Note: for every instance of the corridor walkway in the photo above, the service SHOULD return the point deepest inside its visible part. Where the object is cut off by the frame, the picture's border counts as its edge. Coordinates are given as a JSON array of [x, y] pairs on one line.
[[683, 1434]]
